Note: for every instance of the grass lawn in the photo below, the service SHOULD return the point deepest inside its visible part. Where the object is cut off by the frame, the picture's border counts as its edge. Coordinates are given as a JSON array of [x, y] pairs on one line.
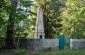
[[47, 52], [64, 52]]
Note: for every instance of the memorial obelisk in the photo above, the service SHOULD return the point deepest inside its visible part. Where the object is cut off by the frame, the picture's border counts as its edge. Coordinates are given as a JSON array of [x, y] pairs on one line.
[[39, 29]]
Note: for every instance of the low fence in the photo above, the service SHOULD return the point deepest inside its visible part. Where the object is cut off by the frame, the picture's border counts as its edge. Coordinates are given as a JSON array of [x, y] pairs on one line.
[[40, 44], [77, 43], [35, 44]]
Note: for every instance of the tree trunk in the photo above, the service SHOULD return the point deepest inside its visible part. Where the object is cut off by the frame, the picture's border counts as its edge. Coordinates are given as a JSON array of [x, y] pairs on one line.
[[9, 43], [9, 34]]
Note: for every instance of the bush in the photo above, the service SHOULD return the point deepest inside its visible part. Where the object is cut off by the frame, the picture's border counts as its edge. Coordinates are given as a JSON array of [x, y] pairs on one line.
[[19, 51]]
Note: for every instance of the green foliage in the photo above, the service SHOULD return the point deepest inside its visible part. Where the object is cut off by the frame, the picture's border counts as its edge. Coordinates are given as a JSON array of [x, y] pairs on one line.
[[23, 10], [19, 51], [24, 13], [67, 16], [4, 8], [26, 3], [19, 13], [73, 18]]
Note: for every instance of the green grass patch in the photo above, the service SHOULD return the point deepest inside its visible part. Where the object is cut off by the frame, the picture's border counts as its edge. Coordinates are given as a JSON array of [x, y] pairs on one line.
[[20, 51], [50, 52], [64, 52]]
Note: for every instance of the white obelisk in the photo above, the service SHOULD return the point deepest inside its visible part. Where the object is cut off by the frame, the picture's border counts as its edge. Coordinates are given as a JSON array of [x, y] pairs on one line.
[[39, 29]]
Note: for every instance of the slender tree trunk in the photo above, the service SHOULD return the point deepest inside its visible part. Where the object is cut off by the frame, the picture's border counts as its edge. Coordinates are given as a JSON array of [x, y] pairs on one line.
[[9, 43], [9, 36]]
